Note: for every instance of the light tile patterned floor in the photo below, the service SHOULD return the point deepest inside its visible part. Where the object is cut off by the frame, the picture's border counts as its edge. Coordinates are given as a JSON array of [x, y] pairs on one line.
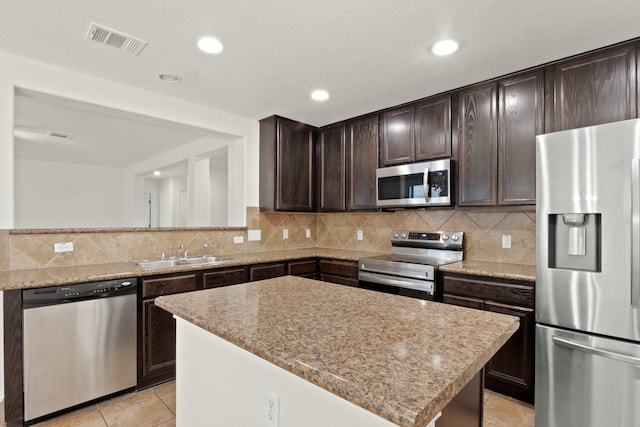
[[157, 407]]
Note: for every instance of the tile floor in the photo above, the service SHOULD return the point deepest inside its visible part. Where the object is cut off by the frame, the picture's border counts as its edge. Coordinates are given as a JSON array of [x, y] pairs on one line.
[[157, 407]]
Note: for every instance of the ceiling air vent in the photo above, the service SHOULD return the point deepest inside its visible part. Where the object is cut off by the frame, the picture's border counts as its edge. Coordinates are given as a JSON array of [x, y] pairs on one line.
[[104, 35]]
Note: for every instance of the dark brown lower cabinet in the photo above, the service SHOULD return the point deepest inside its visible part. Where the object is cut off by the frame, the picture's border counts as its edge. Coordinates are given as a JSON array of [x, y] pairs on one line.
[[307, 268], [510, 371], [225, 277], [267, 271], [157, 328], [338, 271]]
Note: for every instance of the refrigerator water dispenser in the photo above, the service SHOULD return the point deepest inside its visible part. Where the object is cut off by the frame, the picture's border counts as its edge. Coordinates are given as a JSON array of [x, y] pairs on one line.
[[574, 241]]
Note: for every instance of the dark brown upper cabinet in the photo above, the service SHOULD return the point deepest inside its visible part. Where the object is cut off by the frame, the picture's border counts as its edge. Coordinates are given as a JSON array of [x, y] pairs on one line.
[[433, 128], [331, 169], [478, 145], [416, 132], [520, 119], [592, 89], [286, 165], [362, 162], [397, 136]]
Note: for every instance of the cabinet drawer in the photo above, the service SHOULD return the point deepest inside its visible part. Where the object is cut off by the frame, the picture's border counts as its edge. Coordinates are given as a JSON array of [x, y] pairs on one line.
[[339, 268], [339, 280], [267, 271], [225, 277], [168, 285], [303, 268], [508, 293], [463, 301]]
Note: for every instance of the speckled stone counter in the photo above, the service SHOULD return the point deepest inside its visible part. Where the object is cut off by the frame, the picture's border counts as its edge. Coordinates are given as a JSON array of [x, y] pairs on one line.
[[401, 358], [35, 278], [498, 270]]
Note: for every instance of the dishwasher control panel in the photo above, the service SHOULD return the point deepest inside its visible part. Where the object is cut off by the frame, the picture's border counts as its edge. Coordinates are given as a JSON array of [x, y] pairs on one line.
[[52, 295]]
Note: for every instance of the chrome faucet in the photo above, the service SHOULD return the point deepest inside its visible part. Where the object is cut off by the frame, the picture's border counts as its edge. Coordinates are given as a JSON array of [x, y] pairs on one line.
[[176, 253], [204, 250]]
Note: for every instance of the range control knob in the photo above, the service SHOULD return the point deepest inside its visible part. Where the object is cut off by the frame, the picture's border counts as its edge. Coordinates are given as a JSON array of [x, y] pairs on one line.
[[396, 235], [455, 237], [445, 237], [404, 235]]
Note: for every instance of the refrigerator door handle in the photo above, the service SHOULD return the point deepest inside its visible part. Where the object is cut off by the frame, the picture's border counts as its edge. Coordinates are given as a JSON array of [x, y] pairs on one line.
[[425, 184], [633, 360], [635, 233]]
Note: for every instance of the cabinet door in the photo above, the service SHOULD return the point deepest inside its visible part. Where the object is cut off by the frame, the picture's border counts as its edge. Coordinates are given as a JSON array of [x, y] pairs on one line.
[[304, 268], [331, 167], [478, 145], [594, 89], [520, 119], [433, 128], [158, 359], [295, 167], [511, 369], [397, 143], [362, 162]]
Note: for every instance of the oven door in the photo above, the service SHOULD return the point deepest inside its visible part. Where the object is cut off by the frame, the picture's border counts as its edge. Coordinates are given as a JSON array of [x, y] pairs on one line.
[[423, 289], [415, 185]]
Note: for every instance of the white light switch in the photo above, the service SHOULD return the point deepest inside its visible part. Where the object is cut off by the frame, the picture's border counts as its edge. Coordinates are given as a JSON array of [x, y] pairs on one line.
[[285, 233], [506, 241], [307, 233], [238, 239], [63, 247], [359, 235]]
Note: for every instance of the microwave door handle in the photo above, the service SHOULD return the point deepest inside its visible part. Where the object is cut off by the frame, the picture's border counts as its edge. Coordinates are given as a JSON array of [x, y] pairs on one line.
[[425, 184], [635, 232]]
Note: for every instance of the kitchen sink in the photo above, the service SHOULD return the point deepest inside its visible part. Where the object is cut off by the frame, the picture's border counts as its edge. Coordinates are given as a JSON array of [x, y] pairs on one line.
[[177, 262]]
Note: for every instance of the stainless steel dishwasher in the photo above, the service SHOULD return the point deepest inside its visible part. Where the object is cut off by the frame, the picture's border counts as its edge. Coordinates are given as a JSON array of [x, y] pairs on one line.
[[79, 344]]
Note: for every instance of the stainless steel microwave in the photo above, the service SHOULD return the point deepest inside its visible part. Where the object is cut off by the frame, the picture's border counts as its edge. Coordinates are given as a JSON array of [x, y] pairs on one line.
[[414, 185]]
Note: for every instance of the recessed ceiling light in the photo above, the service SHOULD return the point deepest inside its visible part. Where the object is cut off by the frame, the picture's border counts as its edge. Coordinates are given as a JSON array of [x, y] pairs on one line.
[[320, 95], [170, 78], [445, 47], [156, 173], [210, 45]]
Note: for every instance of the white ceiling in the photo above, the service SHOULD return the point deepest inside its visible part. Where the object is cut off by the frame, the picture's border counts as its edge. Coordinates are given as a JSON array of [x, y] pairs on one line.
[[369, 54]]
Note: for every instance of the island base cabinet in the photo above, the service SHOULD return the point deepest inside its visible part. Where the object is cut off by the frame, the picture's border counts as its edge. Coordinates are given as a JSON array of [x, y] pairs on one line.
[[218, 383]]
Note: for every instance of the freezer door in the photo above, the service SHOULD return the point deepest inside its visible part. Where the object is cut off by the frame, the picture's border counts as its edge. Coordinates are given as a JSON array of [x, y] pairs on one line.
[[585, 381], [588, 229]]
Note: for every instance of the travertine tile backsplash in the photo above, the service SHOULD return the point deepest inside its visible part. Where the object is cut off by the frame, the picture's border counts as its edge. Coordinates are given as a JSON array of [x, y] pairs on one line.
[[483, 236]]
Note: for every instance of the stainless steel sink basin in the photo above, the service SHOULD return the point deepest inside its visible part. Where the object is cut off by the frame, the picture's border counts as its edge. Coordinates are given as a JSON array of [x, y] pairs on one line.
[[177, 262]]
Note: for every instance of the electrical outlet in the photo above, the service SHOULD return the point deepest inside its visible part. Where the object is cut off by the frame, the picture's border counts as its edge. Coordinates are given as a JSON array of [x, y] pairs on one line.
[[254, 235], [238, 239], [359, 235], [506, 241], [307, 233], [63, 247], [285, 233], [271, 409]]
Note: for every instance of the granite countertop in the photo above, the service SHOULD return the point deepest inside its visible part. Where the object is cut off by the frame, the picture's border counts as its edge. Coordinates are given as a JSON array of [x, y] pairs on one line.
[[401, 358], [499, 270], [40, 277]]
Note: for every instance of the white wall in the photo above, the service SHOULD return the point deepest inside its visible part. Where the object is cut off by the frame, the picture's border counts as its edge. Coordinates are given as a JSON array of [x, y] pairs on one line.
[[16, 71], [219, 196], [71, 195]]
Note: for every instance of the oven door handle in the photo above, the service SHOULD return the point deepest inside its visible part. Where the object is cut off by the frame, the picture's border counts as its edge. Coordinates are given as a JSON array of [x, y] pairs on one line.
[[424, 286], [425, 184]]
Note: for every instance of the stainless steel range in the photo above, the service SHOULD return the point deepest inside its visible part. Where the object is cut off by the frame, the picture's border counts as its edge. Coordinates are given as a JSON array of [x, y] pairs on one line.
[[412, 267]]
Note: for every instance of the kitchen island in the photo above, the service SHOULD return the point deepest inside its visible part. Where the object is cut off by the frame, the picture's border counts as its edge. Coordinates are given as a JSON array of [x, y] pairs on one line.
[[380, 358]]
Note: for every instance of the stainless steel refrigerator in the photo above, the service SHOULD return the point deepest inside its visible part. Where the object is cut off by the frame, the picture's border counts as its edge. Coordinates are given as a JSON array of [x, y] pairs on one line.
[[588, 277]]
